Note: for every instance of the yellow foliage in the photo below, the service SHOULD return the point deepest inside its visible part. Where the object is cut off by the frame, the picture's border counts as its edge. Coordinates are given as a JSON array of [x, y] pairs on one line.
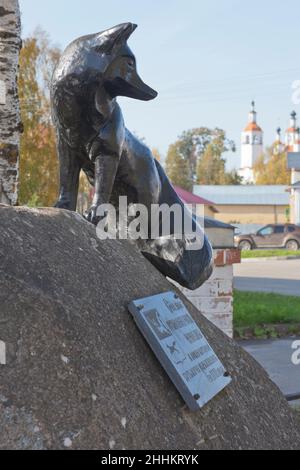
[[38, 157], [177, 168], [156, 154], [272, 169]]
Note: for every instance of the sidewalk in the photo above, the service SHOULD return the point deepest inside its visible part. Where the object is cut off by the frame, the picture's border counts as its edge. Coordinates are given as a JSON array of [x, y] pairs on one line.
[[281, 277], [275, 357]]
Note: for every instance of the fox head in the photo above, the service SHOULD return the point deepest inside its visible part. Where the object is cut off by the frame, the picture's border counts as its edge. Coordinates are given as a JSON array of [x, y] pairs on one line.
[[106, 59], [121, 77]]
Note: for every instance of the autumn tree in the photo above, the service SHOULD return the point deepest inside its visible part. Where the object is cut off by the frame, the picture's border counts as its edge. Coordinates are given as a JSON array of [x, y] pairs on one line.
[[232, 178], [85, 194], [156, 154], [211, 165], [211, 168], [195, 145], [271, 168], [38, 158], [177, 167]]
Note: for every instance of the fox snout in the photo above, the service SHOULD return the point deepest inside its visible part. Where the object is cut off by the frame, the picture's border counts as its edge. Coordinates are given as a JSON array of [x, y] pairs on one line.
[[122, 79], [137, 89]]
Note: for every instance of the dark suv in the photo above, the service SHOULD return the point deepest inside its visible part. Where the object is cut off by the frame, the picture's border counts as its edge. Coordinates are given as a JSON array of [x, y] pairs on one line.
[[272, 236]]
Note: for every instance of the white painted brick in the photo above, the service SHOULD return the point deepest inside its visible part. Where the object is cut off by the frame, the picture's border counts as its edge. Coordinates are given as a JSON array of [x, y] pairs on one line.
[[224, 272], [229, 332], [223, 322], [225, 288], [212, 288], [208, 305], [209, 289], [214, 299], [220, 318]]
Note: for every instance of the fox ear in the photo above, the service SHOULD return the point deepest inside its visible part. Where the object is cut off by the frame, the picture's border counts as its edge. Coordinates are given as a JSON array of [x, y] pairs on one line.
[[114, 37]]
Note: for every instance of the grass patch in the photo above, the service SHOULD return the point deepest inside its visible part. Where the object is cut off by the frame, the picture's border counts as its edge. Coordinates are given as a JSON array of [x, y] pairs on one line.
[[256, 309], [268, 253]]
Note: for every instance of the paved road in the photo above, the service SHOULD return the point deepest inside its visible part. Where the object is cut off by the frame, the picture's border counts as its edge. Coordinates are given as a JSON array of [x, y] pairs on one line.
[[275, 357], [282, 277]]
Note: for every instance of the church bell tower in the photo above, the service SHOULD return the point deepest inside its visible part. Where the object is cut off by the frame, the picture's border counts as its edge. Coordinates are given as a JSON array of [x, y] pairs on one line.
[[252, 147]]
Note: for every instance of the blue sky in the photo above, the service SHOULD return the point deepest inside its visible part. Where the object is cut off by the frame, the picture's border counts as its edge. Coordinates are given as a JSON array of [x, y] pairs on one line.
[[207, 59]]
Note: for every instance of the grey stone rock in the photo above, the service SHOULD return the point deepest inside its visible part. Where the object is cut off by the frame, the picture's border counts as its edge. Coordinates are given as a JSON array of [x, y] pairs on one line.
[[79, 375]]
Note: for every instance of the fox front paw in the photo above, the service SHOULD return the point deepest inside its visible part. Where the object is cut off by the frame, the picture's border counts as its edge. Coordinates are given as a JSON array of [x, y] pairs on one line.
[[63, 203], [91, 215]]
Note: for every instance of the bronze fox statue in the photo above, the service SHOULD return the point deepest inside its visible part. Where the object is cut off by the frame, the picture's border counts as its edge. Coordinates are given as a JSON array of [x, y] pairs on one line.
[[91, 136]]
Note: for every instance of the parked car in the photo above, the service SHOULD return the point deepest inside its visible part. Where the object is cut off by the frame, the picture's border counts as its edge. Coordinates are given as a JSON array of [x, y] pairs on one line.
[[272, 236]]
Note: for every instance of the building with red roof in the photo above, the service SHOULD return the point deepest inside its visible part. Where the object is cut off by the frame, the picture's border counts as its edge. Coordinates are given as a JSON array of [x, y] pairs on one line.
[[197, 204]]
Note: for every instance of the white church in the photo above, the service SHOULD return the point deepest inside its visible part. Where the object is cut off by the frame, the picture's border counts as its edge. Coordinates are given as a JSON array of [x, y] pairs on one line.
[[253, 144], [250, 206]]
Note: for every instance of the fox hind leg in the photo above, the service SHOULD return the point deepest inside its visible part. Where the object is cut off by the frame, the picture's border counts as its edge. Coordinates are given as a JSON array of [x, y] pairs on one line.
[[70, 167]]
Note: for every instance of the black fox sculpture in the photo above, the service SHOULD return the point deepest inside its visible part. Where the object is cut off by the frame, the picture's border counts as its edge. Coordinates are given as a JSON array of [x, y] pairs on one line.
[[91, 136]]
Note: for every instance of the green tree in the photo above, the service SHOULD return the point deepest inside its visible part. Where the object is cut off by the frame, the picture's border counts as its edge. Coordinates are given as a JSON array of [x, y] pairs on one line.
[[192, 145], [177, 167], [211, 167], [271, 168], [233, 178], [38, 158], [195, 141]]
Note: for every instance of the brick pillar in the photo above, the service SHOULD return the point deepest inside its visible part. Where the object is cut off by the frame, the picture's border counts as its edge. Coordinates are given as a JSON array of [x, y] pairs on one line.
[[10, 126], [215, 298]]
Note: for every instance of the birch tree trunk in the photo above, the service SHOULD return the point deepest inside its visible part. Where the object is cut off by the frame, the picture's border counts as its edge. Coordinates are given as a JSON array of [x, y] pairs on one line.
[[10, 125]]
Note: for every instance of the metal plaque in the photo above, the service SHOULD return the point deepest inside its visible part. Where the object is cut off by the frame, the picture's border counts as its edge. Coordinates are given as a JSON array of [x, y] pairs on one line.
[[181, 348]]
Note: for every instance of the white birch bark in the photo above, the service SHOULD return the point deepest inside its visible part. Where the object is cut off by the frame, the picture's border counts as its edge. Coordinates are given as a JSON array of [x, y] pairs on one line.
[[10, 126]]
